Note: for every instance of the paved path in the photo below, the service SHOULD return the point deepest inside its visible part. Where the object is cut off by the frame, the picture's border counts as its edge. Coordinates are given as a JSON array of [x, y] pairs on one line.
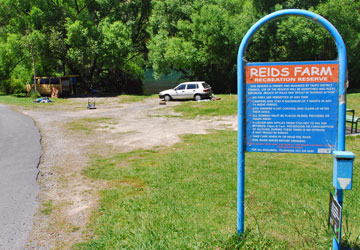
[[20, 151]]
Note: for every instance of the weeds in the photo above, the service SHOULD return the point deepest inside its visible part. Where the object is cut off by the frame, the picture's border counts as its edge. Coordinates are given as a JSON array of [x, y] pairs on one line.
[[47, 207]]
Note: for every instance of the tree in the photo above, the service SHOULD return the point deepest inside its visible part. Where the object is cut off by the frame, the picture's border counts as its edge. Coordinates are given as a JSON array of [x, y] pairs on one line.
[[102, 40], [110, 42], [345, 16], [299, 39], [200, 40], [107, 43]]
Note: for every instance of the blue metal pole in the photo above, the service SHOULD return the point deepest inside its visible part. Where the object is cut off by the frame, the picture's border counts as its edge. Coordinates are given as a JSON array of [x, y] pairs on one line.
[[241, 98], [341, 117], [241, 150]]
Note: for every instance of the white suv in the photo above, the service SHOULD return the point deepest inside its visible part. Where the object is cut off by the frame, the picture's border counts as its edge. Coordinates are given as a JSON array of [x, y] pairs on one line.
[[187, 90]]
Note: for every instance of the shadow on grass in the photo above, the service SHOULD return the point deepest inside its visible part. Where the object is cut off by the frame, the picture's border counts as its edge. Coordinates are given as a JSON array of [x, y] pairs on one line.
[[20, 95], [96, 95], [353, 91], [348, 246], [253, 240]]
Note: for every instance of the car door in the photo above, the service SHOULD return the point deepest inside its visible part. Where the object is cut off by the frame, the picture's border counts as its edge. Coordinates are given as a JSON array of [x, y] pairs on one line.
[[180, 92], [191, 90]]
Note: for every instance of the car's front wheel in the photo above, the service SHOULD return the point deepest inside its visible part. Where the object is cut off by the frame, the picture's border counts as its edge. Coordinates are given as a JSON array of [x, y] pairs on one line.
[[167, 98], [197, 97]]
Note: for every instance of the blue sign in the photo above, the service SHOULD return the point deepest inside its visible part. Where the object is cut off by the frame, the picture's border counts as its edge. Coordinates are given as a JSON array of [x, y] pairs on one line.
[[292, 107], [295, 107]]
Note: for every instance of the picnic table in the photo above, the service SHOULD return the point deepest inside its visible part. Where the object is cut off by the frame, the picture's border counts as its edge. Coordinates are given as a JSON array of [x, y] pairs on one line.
[[352, 119]]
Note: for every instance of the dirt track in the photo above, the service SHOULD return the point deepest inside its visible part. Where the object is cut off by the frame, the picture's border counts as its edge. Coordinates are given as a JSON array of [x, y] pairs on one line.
[[67, 198]]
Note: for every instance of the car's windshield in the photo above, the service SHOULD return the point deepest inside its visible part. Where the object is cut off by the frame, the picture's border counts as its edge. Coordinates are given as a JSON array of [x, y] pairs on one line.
[[182, 86]]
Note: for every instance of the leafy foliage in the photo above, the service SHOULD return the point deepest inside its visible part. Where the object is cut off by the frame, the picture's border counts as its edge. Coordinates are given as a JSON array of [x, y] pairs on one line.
[[201, 39], [202, 42], [103, 41], [109, 43]]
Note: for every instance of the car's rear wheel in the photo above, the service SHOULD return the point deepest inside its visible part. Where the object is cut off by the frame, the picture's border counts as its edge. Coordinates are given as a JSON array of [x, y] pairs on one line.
[[197, 97], [167, 98]]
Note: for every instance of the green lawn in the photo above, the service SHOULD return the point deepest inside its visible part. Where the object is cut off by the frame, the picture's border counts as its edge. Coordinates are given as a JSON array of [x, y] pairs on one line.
[[27, 102], [134, 98], [353, 102], [226, 106], [184, 197]]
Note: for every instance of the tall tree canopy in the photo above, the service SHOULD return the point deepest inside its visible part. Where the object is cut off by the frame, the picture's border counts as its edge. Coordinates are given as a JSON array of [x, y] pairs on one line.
[[109, 43], [201, 38], [104, 41]]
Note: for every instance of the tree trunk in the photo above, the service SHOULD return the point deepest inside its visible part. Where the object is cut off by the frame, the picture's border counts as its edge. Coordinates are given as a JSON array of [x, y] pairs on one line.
[[33, 59], [64, 68]]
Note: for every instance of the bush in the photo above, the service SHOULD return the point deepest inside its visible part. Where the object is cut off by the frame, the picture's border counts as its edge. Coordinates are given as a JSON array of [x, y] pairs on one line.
[[12, 86], [34, 94]]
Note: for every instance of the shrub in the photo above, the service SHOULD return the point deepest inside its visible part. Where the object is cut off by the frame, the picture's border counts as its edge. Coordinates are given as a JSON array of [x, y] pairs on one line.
[[34, 94], [12, 86]]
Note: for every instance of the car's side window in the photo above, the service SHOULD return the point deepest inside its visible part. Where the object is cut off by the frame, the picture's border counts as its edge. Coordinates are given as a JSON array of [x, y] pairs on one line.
[[182, 86], [192, 86], [205, 85]]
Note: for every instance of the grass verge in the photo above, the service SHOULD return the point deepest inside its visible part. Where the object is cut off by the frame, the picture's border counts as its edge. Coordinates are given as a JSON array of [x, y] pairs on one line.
[[133, 98], [185, 198], [27, 102], [224, 107]]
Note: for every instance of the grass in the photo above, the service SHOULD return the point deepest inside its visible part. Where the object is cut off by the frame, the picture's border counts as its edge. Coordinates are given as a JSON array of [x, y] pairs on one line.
[[353, 102], [47, 207], [228, 106], [184, 197], [133, 98], [16, 100], [224, 107], [27, 102], [87, 125]]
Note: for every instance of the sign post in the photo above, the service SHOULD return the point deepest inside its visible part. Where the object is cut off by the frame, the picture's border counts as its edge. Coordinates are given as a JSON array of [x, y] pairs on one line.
[[289, 104], [335, 217], [293, 107]]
